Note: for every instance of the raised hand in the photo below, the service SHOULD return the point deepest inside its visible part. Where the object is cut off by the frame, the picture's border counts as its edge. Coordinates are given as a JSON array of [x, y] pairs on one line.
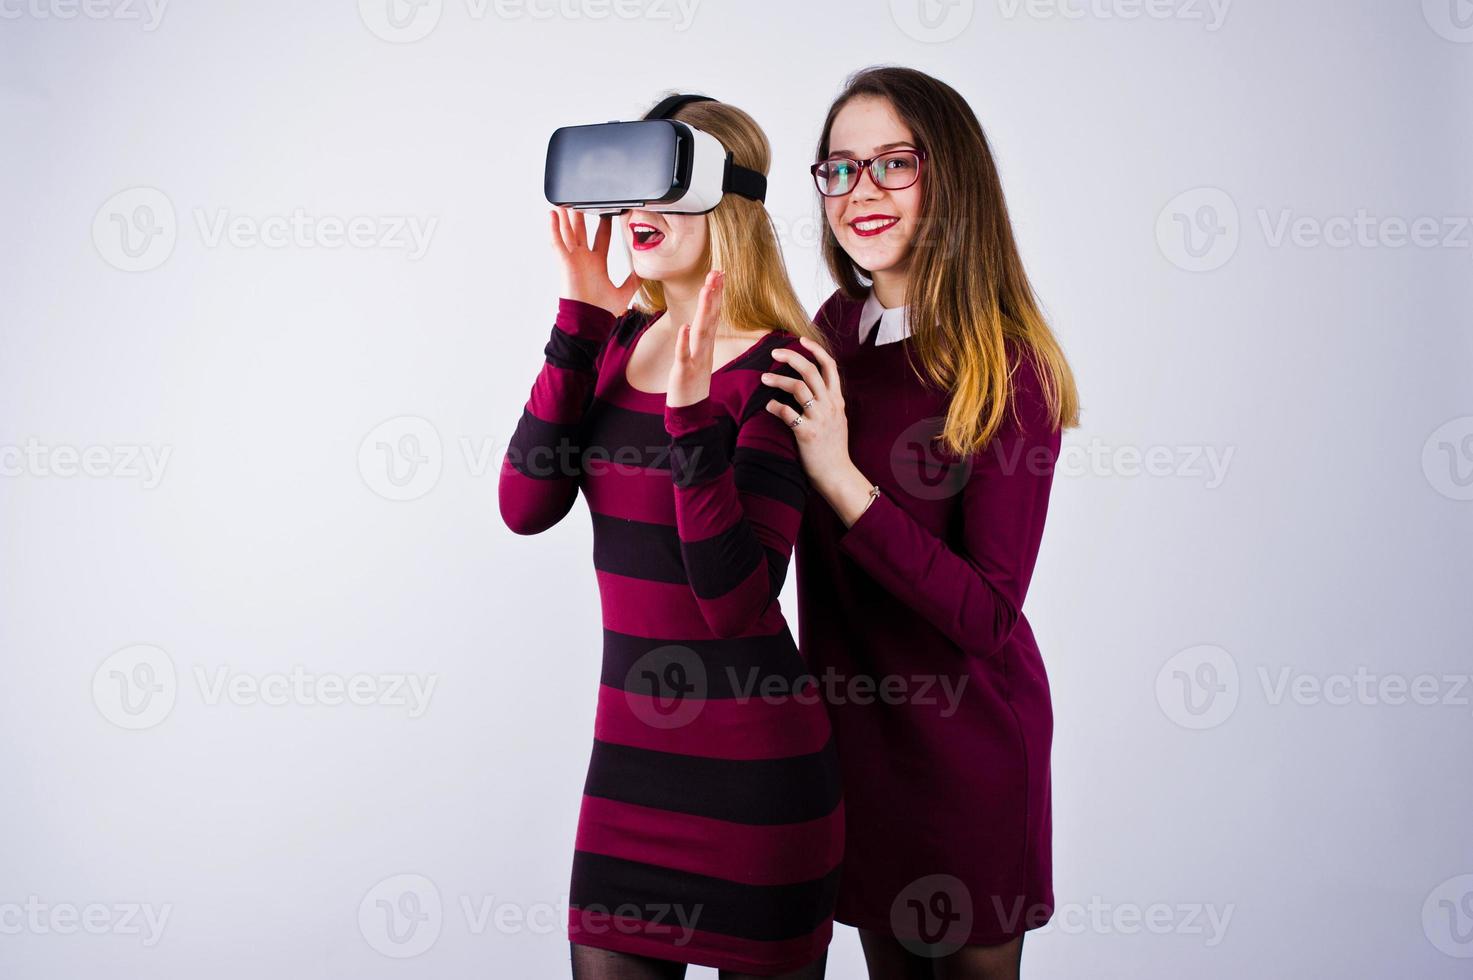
[[585, 265], [695, 347]]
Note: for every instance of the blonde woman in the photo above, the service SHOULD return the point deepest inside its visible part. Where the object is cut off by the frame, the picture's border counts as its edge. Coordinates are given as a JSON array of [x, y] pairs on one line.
[[712, 824]]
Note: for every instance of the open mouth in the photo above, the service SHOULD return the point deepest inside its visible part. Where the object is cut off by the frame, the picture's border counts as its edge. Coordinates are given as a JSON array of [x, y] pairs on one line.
[[869, 225], [646, 236]]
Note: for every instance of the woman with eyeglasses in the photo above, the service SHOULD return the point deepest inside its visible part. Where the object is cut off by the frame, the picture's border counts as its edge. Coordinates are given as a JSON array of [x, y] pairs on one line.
[[929, 437], [711, 824]]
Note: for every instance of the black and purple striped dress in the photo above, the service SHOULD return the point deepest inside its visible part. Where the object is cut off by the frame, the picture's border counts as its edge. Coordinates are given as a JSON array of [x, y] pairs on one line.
[[711, 828]]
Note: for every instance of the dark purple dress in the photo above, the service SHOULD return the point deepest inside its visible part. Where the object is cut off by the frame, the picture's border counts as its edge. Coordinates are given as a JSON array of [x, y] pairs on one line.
[[938, 695]]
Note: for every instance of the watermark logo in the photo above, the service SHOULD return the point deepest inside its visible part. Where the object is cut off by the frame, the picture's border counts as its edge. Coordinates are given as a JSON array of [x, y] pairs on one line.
[[666, 688], [921, 467], [148, 13], [1199, 229], [135, 230], [1451, 19], [124, 461], [37, 917], [932, 916], [1198, 688], [135, 687], [1210, 13], [401, 916], [401, 458], [1447, 917], [400, 21], [1447, 458], [932, 21]]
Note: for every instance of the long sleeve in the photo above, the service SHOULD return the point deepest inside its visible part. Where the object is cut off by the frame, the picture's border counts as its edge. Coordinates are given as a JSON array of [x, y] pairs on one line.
[[539, 473], [736, 517], [974, 595]]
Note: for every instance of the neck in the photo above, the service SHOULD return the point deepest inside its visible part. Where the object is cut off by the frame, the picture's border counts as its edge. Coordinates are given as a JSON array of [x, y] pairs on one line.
[[889, 286], [681, 299]]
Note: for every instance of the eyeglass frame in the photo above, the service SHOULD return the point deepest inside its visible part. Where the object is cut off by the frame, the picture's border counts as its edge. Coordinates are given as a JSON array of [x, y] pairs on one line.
[[864, 166]]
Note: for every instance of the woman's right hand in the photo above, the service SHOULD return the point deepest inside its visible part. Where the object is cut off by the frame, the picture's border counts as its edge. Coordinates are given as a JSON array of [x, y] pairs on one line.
[[585, 266]]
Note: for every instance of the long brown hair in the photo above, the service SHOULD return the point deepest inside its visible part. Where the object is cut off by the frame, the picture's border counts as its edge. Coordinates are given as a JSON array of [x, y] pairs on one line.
[[967, 293], [743, 242]]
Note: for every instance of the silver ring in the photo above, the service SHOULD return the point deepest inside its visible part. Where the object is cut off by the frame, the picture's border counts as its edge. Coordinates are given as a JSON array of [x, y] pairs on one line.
[[809, 402], [797, 421]]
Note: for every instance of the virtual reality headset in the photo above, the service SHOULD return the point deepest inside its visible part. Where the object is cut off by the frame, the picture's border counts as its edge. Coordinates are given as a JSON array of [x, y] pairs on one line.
[[656, 163]]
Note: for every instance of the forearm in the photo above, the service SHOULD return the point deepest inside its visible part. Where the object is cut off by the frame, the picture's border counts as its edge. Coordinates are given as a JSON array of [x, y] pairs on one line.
[[540, 470]]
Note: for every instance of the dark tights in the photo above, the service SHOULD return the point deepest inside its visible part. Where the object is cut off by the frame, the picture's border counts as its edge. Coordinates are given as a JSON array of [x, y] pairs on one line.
[[591, 963], [887, 959]]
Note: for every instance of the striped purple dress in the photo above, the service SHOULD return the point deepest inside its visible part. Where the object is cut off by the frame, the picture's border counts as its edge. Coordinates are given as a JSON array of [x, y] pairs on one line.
[[711, 828]]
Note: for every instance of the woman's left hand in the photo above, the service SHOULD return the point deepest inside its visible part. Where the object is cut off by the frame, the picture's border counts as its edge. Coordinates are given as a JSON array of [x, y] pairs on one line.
[[695, 347], [823, 435]]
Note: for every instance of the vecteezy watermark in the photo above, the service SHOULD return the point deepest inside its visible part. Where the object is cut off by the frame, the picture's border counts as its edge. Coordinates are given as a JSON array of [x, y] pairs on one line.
[[933, 915], [401, 458], [1451, 19], [932, 21], [1210, 13], [1447, 458], [403, 915], [136, 230], [1101, 918], [137, 687], [148, 13], [1199, 230], [37, 917], [924, 470], [1199, 687], [1447, 917], [667, 688], [407, 21], [124, 461]]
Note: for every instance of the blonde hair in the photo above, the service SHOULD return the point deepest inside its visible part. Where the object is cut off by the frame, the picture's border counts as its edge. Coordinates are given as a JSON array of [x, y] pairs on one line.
[[968, 295], [742, 240]]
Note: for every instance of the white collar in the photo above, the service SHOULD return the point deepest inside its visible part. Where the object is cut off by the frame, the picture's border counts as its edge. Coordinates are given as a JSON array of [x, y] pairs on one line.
[[893, 322]]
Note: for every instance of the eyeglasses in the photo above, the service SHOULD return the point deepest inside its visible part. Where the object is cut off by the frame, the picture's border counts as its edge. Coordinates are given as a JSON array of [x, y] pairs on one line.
[[893, 171]]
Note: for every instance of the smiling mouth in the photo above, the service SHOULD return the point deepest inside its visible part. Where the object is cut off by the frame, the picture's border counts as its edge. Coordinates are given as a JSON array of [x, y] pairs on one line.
[[870, 225], [646, 236]]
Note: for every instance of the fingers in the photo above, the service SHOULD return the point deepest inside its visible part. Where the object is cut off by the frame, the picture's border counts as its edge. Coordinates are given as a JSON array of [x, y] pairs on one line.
[[794, 386], [708, 305], [565, 229], [826, 362], [604, 234], [805, 368], [783, 412], [557, 230], [580, 230]]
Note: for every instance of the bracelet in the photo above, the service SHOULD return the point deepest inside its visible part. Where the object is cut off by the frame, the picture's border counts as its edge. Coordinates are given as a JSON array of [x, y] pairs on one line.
[[874, 494]]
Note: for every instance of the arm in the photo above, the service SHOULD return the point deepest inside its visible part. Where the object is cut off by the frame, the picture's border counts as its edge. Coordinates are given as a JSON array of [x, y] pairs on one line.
[[973, 595], [539, 473], [736, 517]]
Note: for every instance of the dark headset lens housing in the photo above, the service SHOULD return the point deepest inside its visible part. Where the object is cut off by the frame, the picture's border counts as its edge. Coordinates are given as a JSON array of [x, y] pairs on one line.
[[613, 163]]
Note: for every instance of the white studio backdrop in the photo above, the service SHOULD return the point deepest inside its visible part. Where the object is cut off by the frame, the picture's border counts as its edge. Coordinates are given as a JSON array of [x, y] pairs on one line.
[[282, 696]]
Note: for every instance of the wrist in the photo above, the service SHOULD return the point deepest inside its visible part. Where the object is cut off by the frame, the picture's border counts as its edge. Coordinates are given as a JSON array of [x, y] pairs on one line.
[[849, 493]]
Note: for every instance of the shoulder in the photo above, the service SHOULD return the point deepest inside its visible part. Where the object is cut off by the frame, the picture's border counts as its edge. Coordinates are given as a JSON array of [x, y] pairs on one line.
[[837, 313], [628, 325]]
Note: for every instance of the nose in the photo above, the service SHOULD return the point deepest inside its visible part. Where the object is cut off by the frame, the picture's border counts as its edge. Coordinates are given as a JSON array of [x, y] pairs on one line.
[[865, 188]]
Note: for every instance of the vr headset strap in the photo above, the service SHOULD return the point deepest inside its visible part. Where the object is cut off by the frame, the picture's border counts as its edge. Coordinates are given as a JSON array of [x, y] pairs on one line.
[[739, 180]]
